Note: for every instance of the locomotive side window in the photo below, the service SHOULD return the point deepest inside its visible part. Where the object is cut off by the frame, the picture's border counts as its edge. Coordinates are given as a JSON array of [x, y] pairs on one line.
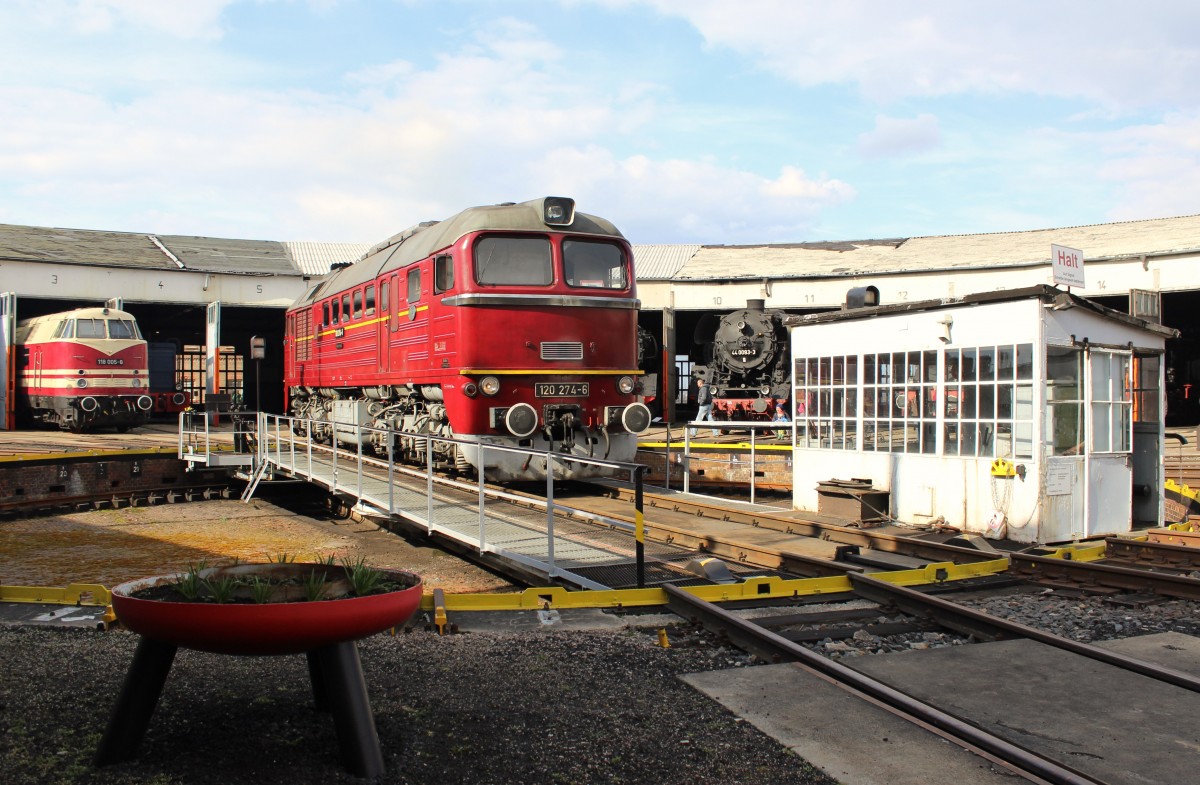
[[358, 303], [345, 307], [58, 331], [326, 314], [383, 296], [68, 329], [443, 273], [414, 284], [594, 265], [337, 312], [516, 261], [90, 328], [371, 300]]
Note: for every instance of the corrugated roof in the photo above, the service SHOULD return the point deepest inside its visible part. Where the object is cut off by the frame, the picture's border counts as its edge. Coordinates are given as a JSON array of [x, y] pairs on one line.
[[682, 262], [927, 254], [78, 246], [660, 262], [217, 255], [317, 258], [128, 249]]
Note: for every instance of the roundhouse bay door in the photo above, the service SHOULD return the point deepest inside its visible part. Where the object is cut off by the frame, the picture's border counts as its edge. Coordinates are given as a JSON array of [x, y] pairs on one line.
[[8, 359]]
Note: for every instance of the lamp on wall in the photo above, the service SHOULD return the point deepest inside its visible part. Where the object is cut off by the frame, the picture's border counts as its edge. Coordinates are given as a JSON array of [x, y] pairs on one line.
[[946, 322]]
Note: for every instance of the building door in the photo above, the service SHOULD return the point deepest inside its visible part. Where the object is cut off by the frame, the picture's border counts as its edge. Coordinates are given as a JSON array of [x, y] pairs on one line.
[[1109, 448], [1148, 476]]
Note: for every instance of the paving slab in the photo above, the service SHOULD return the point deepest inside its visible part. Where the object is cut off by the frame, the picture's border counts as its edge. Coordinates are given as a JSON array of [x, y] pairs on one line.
[[1118, 727], [855, 742], [40, 614]]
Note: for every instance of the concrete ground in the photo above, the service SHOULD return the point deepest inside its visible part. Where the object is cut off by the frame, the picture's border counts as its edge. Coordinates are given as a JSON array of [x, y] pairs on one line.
[[1118, 727]]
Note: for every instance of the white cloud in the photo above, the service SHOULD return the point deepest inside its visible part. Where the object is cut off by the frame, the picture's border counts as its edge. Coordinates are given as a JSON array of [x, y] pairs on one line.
[[1116, 54], [688, 201], [189, 19], [1155, 168], [500, 119], [894, 136]]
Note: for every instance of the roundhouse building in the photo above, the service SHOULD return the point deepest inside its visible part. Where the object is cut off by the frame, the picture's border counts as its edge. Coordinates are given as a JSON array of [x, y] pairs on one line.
[[178, 286]]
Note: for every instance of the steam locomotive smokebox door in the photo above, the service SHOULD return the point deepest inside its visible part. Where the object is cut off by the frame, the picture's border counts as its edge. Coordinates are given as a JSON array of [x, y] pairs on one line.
[[854, 501], [347, 415]]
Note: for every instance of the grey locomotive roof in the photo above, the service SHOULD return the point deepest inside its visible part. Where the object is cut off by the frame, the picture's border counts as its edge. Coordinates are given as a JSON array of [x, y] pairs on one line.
[[424, 239], [146, 251], [1043, 292], [953, 252]]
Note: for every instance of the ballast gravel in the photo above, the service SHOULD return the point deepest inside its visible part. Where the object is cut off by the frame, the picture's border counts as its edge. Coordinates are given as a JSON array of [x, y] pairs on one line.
[[521, 708]]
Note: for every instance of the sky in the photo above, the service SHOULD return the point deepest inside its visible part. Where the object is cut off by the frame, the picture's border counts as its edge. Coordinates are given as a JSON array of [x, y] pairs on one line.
[[682, 121]]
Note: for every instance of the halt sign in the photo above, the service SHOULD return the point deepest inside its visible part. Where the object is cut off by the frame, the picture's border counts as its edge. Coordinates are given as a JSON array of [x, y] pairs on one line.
[[1067, 264]]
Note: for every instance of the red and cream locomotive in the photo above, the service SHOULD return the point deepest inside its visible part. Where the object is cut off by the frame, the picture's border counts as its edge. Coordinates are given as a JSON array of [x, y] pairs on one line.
[[513, 324], [82, 370]]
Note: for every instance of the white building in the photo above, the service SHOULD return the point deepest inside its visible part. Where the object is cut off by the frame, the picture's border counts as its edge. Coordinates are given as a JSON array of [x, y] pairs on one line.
[[1033, 410]]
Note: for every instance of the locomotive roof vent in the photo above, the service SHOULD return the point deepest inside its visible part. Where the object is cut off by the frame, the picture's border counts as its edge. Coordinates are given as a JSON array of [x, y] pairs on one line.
[[558, 211]]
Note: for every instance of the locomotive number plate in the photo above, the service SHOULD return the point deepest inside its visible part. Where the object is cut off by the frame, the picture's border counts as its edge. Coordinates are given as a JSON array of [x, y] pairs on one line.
[[560, 390]]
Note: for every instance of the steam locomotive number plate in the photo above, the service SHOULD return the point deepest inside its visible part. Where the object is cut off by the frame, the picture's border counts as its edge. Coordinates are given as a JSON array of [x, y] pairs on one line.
[[563, 390]]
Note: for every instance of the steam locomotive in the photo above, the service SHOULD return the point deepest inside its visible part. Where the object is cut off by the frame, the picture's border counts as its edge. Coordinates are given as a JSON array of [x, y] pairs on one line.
[[744, 357], [82, 370], [511, 325]]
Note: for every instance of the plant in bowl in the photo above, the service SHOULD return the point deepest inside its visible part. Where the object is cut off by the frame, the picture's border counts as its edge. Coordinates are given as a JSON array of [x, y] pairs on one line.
[[281, 607]]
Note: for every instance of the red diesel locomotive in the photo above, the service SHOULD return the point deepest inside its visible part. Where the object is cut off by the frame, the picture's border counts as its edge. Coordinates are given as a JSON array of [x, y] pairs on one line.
[[514, 324], [82, 370]]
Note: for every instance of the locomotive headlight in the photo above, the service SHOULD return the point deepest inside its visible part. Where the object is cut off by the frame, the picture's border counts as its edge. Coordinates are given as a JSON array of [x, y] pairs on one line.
[[81, 383], [470, 389], [490, 385], [558, 211], [625, 385]]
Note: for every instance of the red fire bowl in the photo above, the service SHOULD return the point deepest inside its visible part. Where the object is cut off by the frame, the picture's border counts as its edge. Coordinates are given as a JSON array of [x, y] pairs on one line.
[[266, 628]]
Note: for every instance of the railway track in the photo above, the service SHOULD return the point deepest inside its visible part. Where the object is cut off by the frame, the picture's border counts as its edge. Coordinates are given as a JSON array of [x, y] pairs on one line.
[[779, 638], [804, 546]]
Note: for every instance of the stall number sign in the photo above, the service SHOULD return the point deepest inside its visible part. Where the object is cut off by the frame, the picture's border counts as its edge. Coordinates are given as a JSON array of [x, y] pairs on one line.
[[1067, 264]]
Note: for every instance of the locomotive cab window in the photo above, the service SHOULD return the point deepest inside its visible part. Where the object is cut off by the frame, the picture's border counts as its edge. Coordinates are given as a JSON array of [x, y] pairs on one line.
[[90, 328], [358, 303], [123, 328], [414, 284], [370, 304], [594, 265], [383, 296], [345, 307], [325, 315], [58, 331], [443, 273], [513, 261]]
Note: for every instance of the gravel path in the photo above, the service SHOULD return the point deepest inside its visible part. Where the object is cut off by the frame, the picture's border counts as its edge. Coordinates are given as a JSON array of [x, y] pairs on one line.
[[524, 709]]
